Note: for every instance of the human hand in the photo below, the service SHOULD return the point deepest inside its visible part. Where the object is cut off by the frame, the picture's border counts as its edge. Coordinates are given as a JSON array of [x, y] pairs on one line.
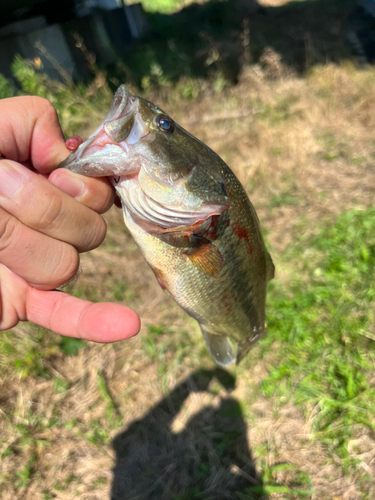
[[47, 217]]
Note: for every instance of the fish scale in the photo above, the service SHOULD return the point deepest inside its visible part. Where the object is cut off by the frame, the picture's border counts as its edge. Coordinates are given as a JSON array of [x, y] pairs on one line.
[[194, 224]]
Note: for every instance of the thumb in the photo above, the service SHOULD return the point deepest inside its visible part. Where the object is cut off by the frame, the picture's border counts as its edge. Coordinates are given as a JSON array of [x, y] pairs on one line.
[[73, 317]]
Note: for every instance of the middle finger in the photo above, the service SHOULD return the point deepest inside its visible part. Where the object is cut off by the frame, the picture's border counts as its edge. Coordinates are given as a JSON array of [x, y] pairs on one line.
[[43, 262]]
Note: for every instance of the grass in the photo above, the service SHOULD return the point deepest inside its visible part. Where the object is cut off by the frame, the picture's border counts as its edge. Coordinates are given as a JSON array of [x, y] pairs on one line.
[[322, 326], [163, 6], [76, 105], [318, 357], [295, 419]]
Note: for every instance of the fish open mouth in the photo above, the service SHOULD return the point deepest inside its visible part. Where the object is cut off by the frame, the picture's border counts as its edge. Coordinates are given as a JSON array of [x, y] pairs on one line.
[[101, 155]]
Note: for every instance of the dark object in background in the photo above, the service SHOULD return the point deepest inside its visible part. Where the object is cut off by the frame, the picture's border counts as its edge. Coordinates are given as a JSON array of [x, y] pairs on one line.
[[47, 36], [361, 30]]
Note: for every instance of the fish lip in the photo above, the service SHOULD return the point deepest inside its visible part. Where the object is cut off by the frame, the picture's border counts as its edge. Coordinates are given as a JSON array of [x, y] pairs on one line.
[[119, 103], [123, 105]]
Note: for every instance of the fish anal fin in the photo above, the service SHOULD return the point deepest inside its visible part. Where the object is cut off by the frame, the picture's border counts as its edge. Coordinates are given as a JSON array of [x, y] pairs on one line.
[[206, 258], [270, 268], [246, 345], [220, 347]]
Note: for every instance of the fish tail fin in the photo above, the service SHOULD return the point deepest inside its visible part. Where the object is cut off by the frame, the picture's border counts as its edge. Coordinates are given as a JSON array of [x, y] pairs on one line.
[[220, 347]]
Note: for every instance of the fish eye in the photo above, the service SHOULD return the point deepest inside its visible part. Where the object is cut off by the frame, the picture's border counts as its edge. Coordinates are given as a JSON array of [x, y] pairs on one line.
[[164, 123]]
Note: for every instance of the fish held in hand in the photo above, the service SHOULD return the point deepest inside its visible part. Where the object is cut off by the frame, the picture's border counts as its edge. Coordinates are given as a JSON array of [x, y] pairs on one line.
[[190, 217]]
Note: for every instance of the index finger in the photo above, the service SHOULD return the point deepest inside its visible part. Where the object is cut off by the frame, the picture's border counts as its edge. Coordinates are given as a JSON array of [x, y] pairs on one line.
[[30, 131]]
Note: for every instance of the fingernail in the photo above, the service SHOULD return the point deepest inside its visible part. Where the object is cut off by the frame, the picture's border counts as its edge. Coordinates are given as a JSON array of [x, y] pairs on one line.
[[10, 182], [70, 185]]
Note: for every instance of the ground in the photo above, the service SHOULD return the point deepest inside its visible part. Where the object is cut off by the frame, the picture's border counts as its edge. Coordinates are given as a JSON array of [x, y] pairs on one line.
[[153, 417]]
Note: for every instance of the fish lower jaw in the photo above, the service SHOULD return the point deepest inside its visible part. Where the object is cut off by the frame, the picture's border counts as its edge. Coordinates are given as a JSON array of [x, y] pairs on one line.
[[96, 161]]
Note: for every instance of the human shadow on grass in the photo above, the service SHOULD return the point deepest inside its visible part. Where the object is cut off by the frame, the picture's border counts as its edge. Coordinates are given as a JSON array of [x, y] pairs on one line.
[[204, 39], [209, 459]]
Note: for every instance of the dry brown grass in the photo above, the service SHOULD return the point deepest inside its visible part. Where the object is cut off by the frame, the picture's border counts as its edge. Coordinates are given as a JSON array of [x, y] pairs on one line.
[[303, 147]]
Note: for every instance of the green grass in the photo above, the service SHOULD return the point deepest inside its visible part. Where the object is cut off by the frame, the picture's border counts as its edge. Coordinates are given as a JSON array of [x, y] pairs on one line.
[[77, 105], [26, 355], [165, 346], [319, 324], [163, 6], [319, 354], [25, 473]]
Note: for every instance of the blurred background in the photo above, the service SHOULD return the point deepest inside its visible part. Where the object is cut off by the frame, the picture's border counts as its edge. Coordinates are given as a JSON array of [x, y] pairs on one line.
[[283, 91]]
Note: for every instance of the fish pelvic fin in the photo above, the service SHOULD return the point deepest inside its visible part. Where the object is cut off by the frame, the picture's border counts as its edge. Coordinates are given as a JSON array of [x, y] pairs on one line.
[[220, 347]]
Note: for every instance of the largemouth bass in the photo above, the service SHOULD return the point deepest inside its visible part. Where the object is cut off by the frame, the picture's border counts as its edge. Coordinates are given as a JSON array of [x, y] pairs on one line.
[[190, 217]]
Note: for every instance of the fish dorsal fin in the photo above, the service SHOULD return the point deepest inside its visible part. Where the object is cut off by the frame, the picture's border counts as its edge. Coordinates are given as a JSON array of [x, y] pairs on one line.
[[208, 259], [220, 347]]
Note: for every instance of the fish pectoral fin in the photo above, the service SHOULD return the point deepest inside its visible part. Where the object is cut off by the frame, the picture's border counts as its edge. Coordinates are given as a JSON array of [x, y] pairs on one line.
[[208, 259], [220, 347]]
